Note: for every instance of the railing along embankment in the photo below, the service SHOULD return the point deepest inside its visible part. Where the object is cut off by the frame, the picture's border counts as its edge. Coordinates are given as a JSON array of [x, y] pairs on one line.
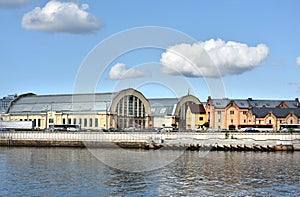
[[215, 140]]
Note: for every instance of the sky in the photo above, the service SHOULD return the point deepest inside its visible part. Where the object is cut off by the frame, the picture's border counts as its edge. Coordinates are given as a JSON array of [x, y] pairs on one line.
[[234, 49]]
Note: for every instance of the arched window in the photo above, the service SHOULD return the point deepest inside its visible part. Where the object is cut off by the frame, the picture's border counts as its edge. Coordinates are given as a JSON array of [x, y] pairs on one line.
[[130, 112]]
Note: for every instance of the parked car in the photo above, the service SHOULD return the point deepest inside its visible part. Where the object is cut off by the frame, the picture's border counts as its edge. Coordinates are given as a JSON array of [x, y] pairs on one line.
[[130, 129], [167, 129], [199, 130], [112, 129], [251, 130], [72, 129]]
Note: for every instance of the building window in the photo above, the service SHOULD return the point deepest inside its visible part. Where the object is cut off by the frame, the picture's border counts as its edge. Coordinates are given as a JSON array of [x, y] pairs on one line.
[[231, 112], [80, 121], [64, 121], [200, 118], [270, 121], [219, 120], [244, 120], [291, 121], [219, 112], [96, 122], [131, 107], [162, 110], [85, 122], [231, 121], [121, 121], [125, 106], [91, 122], [39, 123], [69, 121], [74, 120], [244, 112], [51, 120]]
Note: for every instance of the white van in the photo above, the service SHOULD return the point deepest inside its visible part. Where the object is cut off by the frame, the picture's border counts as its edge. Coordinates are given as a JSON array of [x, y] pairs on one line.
[[167, 129]]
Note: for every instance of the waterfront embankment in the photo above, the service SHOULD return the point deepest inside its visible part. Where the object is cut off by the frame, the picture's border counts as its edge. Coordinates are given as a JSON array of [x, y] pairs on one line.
[[152, 140]]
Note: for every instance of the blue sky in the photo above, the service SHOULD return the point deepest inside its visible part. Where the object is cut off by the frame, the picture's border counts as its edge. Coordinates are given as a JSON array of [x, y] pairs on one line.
[[254, 45]]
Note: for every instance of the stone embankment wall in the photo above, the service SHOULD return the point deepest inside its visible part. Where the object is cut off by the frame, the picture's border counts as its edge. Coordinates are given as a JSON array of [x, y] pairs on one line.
[[145, 139]]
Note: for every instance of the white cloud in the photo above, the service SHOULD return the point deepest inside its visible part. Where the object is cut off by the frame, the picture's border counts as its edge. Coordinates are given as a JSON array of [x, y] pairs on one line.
[[212, 58], [11, 4], [119, 71], [298, 61], [63, 17]]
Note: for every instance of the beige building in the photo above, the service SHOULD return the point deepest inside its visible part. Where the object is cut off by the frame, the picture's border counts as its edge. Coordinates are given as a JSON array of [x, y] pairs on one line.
[[124, 109], [91, 111], [238, 114], [171, 112], [130, 108]]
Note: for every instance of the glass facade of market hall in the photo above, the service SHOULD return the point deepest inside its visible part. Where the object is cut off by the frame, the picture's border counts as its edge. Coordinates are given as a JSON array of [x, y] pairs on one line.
[[130, 112]]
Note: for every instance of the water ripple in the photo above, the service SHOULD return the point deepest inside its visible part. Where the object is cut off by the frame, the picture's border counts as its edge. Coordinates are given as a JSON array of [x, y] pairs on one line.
[[75, 172]]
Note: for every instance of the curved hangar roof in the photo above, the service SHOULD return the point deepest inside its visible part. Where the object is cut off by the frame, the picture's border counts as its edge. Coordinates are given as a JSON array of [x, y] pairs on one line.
[[89, 103], [31, 103]]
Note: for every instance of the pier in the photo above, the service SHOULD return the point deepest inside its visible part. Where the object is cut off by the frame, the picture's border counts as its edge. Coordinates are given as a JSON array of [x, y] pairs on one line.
[[214, 141]]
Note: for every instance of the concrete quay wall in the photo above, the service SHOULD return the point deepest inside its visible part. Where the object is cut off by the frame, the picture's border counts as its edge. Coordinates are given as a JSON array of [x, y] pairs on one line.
[[141, 139]]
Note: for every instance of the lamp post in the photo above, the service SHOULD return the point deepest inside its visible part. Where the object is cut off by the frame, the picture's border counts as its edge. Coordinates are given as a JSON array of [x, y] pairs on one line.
[[106, 114], [46, 108]]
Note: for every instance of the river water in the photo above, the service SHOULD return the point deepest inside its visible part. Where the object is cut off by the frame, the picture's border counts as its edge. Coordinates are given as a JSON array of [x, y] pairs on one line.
[[76, 172]]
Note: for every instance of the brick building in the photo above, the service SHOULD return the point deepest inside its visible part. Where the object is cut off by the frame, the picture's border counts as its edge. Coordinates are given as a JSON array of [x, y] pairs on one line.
[[236, 114]]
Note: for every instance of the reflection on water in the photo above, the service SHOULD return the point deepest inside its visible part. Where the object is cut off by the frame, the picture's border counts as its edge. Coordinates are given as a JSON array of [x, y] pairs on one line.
[[76, 172], [136, 160]]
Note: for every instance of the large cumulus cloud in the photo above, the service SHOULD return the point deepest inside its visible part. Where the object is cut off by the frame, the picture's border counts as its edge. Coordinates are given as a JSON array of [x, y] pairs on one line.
[[62, 17], [119, 71], [212, 58]]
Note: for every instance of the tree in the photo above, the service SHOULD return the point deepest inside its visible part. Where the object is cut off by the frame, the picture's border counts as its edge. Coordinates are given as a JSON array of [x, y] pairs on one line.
[[206, 124]]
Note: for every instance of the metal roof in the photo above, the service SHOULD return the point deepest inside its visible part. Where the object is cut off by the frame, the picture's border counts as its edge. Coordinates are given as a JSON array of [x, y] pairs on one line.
[[61, 103], [241, 103], [273, 103], [163, 106], [220, 103], [246, 103], [278, 112]]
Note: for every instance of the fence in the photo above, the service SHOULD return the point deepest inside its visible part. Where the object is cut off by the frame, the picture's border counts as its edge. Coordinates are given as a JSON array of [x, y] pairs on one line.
[[144, 136]]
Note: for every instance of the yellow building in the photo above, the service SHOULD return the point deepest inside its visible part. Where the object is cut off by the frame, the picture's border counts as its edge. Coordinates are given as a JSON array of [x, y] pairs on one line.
[[123, 109], [195, 116], [126, 108]]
